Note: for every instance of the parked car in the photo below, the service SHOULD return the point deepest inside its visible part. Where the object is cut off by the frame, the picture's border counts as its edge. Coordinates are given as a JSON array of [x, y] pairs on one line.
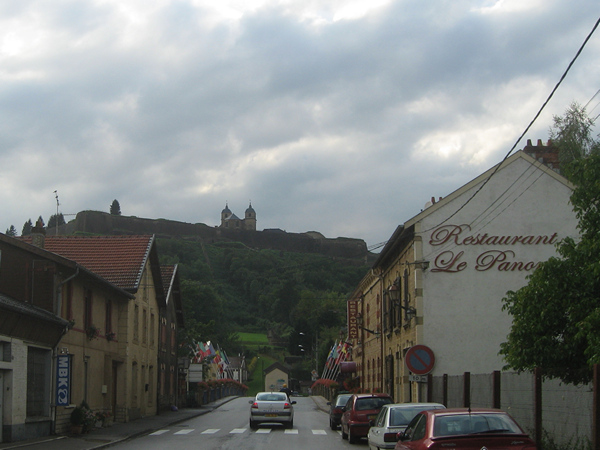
[[360, 409], [391, 420], [336, 409], [271, 407], [464, 429]]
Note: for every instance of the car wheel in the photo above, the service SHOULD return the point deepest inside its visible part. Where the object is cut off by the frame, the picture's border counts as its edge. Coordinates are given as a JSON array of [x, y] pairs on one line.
[[344, 435], [253, 425], [332, 425], [291, 424], [351, 438]]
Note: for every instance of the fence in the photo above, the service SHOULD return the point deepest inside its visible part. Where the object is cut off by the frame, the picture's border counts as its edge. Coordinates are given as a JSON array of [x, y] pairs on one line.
[[564, 413]]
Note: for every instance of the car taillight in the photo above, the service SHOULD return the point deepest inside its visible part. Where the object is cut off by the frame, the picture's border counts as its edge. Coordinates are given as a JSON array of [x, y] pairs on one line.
[[338, 411], [287, 405], [255, 405]]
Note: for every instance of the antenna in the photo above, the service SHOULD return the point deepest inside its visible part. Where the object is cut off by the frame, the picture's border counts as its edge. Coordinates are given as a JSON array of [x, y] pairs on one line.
[[56, 218]]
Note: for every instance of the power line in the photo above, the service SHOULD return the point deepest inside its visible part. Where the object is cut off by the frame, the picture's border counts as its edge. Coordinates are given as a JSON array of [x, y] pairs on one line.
[[564, 75]]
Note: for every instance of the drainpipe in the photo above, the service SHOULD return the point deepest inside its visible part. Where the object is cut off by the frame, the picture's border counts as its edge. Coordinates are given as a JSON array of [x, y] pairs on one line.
[[55, 349]]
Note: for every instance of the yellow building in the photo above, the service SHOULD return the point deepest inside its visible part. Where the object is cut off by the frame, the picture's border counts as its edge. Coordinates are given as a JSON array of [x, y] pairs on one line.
[[114, 342]]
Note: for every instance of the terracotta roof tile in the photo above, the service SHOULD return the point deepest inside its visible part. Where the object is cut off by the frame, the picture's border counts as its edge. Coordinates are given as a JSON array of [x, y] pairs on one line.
[[120, 260]]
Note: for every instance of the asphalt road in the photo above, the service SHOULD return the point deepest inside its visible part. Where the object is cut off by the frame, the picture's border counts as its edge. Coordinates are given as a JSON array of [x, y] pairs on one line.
[[228, 428]]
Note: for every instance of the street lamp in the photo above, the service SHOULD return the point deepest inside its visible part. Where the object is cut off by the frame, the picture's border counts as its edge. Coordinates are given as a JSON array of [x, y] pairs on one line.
[[316, 348]]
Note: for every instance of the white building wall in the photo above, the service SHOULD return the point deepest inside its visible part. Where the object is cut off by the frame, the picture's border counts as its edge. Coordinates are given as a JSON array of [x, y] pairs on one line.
[[463, 321]]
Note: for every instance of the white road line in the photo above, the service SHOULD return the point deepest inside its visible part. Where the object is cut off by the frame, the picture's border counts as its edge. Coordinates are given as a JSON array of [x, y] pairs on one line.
[[187, 431], [210, 431], [159, 432], [291, 431], [263, 431], [319, 432], [238, 431]]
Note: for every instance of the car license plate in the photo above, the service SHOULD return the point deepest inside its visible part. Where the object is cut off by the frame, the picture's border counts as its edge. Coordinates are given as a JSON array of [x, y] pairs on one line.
[[270, 415]]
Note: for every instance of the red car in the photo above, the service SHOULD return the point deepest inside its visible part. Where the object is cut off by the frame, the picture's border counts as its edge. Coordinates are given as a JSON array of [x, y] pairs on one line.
[[358, 412], [464, 429]]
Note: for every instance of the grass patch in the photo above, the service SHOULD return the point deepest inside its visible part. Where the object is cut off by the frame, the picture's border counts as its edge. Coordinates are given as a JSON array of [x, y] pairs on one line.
[[253, 338], [257, 384]]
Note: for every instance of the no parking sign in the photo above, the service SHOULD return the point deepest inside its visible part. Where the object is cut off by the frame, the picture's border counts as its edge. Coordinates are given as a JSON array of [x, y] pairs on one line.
[[420, 359]]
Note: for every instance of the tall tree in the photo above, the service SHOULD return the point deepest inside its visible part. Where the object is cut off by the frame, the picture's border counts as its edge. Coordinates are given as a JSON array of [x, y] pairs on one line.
[[115, 208], [12, 231], [56, 220], [557, 314], [27, 226], [572, 134]]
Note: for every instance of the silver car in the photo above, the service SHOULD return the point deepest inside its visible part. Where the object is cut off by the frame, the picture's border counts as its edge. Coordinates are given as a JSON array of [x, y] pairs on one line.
[[271, 407], [391, 420]]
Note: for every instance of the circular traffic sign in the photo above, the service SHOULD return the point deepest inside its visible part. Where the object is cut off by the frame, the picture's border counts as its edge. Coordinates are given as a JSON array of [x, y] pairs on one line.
[[420, 359]]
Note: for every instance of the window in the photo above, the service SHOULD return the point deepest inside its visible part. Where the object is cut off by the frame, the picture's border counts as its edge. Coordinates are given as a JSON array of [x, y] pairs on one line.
[[69, 302], [152, 329], [108, 317], [87, 311], [136, 323], [38, 382], [144, 326]]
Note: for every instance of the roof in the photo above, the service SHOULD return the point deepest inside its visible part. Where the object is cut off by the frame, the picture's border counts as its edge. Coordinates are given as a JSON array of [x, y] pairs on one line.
[[31, 310], [120, 260], [170, 282]]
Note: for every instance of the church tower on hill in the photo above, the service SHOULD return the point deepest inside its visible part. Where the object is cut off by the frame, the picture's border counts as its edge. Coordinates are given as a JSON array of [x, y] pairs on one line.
[[232, 222]]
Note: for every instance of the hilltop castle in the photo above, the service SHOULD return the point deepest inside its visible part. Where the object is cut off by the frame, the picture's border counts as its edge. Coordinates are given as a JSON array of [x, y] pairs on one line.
[[233, 222]]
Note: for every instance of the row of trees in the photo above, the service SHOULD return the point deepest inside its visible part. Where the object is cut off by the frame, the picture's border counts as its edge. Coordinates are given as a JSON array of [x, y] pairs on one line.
[[556, 316], [54, 221]]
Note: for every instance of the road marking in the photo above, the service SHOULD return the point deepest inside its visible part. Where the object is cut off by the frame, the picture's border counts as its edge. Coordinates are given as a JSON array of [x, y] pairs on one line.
[[211, 431], [188, 431], [263, 431], [238, 431], [291, 432], [319, 432], [159, 432]]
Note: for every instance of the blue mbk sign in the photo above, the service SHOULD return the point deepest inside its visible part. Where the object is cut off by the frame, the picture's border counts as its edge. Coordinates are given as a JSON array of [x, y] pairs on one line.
[[63, 380]]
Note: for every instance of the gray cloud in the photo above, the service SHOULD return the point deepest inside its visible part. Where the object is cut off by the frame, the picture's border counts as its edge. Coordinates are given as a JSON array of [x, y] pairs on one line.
[[346, 127]]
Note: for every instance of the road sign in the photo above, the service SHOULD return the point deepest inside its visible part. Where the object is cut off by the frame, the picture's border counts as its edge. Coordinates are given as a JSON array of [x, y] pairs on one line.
[[420, 359], [418, 378]]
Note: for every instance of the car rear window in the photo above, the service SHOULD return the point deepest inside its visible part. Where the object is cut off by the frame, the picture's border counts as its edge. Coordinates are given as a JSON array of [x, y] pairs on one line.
[[271, 397], [364, 404], [341, 401], [474, 423], [403, 416]]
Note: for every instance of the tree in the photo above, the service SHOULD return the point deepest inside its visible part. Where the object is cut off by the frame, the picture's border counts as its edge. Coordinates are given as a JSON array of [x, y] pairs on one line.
[[557, 314], [572, 134], [56, 220], [40, 221], [115, 208], [27, 226], [12, 231]]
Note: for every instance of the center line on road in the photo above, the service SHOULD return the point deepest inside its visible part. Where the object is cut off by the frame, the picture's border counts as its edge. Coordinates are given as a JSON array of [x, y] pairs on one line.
[[263, 431], [210, 431], [291, 432], [159, 432], [238, 431], [188, 431], [319, 432]]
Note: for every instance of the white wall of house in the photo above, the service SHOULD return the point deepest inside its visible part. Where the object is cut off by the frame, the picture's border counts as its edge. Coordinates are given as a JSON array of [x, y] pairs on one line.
[[522, 212]]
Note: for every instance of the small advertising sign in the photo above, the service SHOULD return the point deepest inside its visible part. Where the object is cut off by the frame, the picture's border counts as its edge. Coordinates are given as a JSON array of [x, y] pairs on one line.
[[63, 380]]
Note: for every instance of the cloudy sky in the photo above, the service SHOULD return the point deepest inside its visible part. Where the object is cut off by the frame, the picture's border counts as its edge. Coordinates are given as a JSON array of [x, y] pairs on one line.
[[340, 116]]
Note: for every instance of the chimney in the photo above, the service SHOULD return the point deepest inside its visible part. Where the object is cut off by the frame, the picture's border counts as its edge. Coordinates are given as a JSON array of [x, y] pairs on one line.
[[38, 234]]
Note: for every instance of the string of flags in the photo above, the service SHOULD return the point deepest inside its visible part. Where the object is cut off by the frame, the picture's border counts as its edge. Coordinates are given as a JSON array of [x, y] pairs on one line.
[[339, 353], [205, 352]]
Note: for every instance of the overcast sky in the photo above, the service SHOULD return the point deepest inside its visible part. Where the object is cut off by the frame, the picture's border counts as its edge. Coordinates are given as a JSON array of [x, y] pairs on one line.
[[341, 116]]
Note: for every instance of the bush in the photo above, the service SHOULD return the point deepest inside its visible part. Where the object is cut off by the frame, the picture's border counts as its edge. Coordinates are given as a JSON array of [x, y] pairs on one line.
[[78, 416]]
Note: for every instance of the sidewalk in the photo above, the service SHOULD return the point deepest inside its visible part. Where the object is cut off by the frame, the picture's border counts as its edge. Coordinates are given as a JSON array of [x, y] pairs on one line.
[[119, 432]]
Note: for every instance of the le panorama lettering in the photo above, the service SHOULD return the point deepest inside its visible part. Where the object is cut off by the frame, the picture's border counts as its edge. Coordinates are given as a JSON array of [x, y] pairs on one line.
[[502, 260]]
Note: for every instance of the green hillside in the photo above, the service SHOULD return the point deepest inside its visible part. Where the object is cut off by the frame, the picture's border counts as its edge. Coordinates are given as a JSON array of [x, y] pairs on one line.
[[229, 289]]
